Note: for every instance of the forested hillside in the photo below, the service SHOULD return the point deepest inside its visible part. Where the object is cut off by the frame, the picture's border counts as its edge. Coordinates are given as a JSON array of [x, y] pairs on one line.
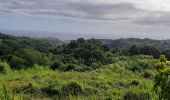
[[40, 44], [127, 43], [82, 69]]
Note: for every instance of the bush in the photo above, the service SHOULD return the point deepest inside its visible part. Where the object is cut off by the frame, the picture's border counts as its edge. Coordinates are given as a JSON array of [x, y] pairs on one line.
[[71, 89], [70, 67], [28, 88], [50, 90], [95, 65], [162, 58], [18, 63], [4, 67], [162, 84], [53, 89], [27, 58], [138, 65], [148, 74], [57, 65], [135, 82], [161, 63], [137, 95], [79, 67]]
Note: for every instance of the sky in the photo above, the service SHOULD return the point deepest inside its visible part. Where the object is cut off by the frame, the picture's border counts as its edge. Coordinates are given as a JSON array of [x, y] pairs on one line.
[[68, 19]]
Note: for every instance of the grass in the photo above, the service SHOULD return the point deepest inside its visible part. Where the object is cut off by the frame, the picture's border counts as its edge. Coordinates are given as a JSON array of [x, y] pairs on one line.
[[111, 82]]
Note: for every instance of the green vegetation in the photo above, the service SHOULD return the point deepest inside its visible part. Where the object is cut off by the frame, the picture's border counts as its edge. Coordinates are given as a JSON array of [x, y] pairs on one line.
[[114, 81], [127, 43], [162, 83], [80, 70]]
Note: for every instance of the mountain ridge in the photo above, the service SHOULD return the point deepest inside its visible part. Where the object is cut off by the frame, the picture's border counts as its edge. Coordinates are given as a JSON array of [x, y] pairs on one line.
[[112, 43]]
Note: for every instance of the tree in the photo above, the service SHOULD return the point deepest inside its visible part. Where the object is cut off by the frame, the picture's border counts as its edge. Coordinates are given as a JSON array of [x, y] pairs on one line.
[[81, 42], [57, 65], [26, 58], [148, 50], [5, 52], [133, 50], [57, 50], [145, 50], [166, 53], [105, 48], [18, 63], [93, 44], [14, 44], [73, 44]]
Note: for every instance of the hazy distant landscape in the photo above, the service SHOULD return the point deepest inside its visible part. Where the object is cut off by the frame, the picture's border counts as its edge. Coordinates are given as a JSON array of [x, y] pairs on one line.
[[75, 35]]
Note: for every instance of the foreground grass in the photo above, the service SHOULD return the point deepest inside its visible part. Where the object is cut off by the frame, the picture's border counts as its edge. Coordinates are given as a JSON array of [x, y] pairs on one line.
[[111, 82]]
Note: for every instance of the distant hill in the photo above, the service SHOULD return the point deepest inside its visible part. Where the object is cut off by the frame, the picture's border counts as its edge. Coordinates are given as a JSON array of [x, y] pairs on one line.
[[46, 43], [40, 44], [127, 43], [3, 36]]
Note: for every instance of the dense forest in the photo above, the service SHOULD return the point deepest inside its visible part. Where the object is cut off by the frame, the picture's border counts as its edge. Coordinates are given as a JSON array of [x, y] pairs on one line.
[[126, 43], [90, 69]]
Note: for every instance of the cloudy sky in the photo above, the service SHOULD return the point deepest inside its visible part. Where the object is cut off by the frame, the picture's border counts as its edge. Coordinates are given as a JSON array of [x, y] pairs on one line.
[[87, 18]]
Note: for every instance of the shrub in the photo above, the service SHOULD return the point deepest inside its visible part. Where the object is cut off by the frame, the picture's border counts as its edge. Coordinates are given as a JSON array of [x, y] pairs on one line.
[[4, 67], [148, 74], [135, 82], [53, 89], [18, 63], [83, 68], [28, 88], [50, 90], [162, 84], [162, 58], [72, 88], [27, 58], [137, 65], [89, 91], [79, 67], [70, 67], [57, 65], [161, 63], [121, 84], [137, 95], [162, 79], [95, 65]]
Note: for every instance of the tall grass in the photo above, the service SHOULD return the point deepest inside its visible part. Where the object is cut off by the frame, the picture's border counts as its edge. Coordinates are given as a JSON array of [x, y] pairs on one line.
[[5, 94]]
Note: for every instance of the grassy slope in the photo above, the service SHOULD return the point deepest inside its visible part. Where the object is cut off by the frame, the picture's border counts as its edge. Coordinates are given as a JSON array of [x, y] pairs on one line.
[[111, 81]]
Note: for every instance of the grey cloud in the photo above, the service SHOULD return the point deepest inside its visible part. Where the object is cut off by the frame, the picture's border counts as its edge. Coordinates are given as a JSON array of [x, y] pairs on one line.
[[65, 8], [101, 9], [120, 12], [155, 18]]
